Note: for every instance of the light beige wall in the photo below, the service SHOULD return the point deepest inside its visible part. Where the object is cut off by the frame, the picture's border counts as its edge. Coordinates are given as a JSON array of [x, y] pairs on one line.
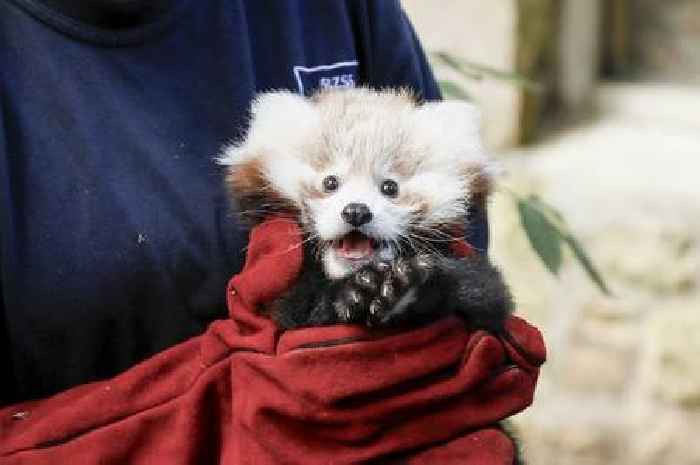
[[482, 32]]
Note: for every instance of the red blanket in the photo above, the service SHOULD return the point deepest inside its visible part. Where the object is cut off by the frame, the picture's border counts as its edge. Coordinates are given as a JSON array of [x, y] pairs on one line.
[[244, 393]]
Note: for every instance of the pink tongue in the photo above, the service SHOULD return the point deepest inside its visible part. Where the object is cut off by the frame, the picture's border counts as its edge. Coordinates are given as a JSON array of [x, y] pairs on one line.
[[356, 243]]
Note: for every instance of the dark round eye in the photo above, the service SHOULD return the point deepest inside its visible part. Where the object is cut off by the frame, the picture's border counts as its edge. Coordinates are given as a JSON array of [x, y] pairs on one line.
[[390, 188], [330, 183]]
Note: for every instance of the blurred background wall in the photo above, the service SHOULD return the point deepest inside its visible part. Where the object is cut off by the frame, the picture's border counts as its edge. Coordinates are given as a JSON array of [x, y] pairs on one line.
[[611, 138], [666, 39]]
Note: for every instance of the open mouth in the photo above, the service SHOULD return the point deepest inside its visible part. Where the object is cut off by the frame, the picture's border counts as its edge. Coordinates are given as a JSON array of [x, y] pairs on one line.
[[355, 246]]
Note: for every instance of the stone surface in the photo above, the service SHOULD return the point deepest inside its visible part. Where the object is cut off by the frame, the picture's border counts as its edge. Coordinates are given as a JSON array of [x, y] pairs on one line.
[[591, 369], [669, 249], [673, 363], [572, 444], [622, 381], [666, 438], [608, 309]]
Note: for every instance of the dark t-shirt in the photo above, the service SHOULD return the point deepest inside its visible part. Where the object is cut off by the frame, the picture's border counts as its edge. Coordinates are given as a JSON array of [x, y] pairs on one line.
[[116, 236]]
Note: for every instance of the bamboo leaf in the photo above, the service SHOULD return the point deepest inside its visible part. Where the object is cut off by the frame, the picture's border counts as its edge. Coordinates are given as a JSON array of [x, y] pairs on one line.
[[453, 90], [576, 248], [515, 78], [454, 64], [545, 238], [477, 71], [586, 263], [546, 229], [548, 209]]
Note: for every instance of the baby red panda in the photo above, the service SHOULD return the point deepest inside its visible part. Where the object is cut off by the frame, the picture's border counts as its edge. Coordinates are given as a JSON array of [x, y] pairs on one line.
[[379, 184]]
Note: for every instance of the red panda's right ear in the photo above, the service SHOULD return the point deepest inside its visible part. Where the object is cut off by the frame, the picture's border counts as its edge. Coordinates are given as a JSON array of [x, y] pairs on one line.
[[278, 121], [281, 110], [246, 179], [253, 196], [454, 131]]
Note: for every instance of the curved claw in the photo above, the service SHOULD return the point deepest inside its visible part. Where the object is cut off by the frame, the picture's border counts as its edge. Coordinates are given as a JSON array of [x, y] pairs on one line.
[[349, 306], [376, 312], [367, 279], [382, 266], [403, 270], [423, 265], [388, 291]]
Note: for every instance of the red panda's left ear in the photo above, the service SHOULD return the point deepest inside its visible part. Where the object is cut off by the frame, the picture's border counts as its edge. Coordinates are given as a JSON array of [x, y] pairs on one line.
[[457, 115], [455, 129]]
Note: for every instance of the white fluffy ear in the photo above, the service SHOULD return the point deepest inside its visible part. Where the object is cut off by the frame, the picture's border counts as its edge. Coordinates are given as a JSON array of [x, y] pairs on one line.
[[452, 115], [282, 111], [452, 131], [278, 119]]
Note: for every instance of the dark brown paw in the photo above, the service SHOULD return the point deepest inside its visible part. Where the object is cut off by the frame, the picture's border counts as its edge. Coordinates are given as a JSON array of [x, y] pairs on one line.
[[380, 293]]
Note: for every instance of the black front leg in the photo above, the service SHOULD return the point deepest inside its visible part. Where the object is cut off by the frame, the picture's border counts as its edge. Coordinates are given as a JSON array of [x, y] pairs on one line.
[[379, 294], [424, 288], [407, 292], [410, 293], [479, 293], [309, 302]]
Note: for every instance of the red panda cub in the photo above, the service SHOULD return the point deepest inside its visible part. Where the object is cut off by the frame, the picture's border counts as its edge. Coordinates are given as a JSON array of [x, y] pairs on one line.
[[379, 184]]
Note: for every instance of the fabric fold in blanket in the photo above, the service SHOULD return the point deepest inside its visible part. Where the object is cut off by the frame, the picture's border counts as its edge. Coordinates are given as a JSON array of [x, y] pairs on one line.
[[246, 393]]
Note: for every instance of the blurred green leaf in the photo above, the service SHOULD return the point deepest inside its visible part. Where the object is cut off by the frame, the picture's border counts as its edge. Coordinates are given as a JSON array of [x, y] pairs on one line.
[[477, 71], [455, 64], [546, 208], [453, 90], [586, 263], [544, 236], [546, 229]]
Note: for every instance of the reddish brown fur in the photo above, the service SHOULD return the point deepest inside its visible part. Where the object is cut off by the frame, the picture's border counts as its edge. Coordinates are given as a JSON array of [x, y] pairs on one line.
[[479, 182], [312, 192], [247, 178], [418, 205], [405, 166], [256, 197]]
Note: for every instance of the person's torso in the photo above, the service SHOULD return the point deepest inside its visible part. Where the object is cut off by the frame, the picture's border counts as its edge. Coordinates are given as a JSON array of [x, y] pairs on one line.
[[114, 221]]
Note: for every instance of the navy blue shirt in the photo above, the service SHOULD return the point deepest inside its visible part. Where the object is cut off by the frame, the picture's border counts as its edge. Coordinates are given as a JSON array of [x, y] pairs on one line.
[[116, 236]]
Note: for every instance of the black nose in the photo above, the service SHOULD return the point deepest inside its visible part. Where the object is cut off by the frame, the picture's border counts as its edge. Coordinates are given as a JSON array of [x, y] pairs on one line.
[[356, 214]]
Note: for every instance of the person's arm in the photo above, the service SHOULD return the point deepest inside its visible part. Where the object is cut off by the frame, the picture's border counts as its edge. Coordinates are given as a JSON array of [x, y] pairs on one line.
[[393, 57], [7, 386]]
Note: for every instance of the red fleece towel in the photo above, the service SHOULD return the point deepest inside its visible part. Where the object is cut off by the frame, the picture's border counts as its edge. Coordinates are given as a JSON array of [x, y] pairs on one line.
[[245, 393]]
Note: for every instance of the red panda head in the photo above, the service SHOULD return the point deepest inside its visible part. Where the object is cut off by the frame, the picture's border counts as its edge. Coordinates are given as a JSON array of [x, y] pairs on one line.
[[366, 173]]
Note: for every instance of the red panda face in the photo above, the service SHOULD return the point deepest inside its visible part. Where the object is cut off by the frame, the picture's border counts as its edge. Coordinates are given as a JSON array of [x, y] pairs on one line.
[[367, 174]]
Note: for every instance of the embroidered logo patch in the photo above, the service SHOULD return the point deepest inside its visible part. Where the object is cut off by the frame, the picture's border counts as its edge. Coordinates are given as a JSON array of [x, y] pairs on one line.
[[341, 74]]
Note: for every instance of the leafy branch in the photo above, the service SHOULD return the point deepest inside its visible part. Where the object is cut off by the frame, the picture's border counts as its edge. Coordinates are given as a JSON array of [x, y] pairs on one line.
[[477, 72]]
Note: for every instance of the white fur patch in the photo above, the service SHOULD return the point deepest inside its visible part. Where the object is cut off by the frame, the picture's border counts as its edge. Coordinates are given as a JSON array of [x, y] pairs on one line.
[[334, 266]]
